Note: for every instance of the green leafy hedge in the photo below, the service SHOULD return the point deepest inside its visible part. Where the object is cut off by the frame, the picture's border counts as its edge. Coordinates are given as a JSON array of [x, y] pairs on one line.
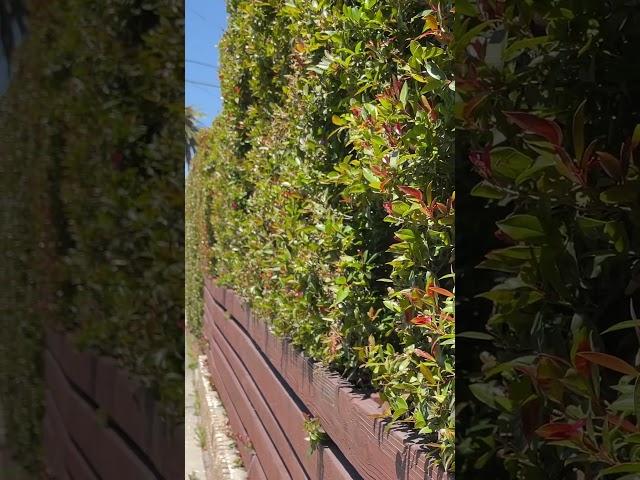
[[549, 96], [328, 192], [91, 157]]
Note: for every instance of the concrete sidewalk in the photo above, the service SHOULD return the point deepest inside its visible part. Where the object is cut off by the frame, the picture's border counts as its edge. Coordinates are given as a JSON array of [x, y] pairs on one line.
[[210, 452], [193, 438]]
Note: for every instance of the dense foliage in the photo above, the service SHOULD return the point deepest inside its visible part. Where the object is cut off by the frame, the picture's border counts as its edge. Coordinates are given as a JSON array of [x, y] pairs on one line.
[[549, 105], [328, 192], [92, 186]]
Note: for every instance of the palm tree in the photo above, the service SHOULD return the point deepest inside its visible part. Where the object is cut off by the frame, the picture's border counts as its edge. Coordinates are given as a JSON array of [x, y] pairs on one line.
[[191, 116]]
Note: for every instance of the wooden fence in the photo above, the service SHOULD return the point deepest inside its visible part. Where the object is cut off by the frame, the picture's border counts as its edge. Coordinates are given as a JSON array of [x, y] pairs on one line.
[[268, 387], [100, 424]]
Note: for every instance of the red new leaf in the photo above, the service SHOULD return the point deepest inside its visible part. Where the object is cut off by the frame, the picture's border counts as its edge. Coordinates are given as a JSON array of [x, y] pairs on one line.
[[481, 159], [609, 361], [610, 164], [621, 423], [561, 431], [412, 192], [582, 364], [423, 354], [441, 291], [538, 126], [421, 320]]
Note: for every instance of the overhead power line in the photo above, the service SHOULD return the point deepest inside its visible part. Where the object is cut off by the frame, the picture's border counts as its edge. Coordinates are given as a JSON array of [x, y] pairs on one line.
[[203, 83], [202, 63], [197, 13]]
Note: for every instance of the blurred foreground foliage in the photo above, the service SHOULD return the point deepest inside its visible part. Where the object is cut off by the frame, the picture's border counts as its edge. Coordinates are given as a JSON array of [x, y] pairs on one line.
[[548, 108], [92, 195]]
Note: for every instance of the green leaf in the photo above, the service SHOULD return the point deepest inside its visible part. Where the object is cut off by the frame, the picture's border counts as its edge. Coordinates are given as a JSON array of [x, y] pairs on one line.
[[393, 306], [624, 404], [509, 162], [342, 294], [618, 235], [465, 7], [586, 223], [522, 227], [406, 234], [484, 392], [463, 41], [336, 120], [622, 468], [403, 94], [522, 296], [434, 71], [541, 163], [426, 373], [623, 326], [486, 189], [516, 47], [636, 398], [578, 130], [567, 13], [635, 139], [507, 366], [475, 335], [374, 181], [490, 396], [400, 407], [419, 419], [624, 194], [510, 259]]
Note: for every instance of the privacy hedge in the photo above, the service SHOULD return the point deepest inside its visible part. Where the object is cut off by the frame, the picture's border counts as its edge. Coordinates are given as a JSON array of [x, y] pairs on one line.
[[323, 192], [548, 106], [91, 157]]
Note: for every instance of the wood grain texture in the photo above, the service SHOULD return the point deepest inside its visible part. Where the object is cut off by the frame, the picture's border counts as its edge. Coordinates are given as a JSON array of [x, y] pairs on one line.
[[103, 449], [109, 418], [255, 471], [347, 416], [324, 463], [255, 395], [235, 422], [267, 453], [57, 440]]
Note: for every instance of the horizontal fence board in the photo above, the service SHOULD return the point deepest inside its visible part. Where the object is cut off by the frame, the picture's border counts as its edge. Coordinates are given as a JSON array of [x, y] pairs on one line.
[[77, 466], [70, 457], [55, 437], [78, 367], [261, 405], [255, 471], [217, 292], [323, 463], [108, 454], [235, 422], [346, 416], [105, 392], [167, 443], [133, 410], [140, 444], [266, 451]]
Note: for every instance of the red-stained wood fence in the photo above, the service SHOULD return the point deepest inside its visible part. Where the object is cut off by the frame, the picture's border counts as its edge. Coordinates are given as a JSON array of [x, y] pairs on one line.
[[267, 387], [101, 424]]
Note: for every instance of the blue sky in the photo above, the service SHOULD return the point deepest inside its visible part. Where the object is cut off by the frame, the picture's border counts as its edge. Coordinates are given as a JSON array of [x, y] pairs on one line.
[[205, 24]]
